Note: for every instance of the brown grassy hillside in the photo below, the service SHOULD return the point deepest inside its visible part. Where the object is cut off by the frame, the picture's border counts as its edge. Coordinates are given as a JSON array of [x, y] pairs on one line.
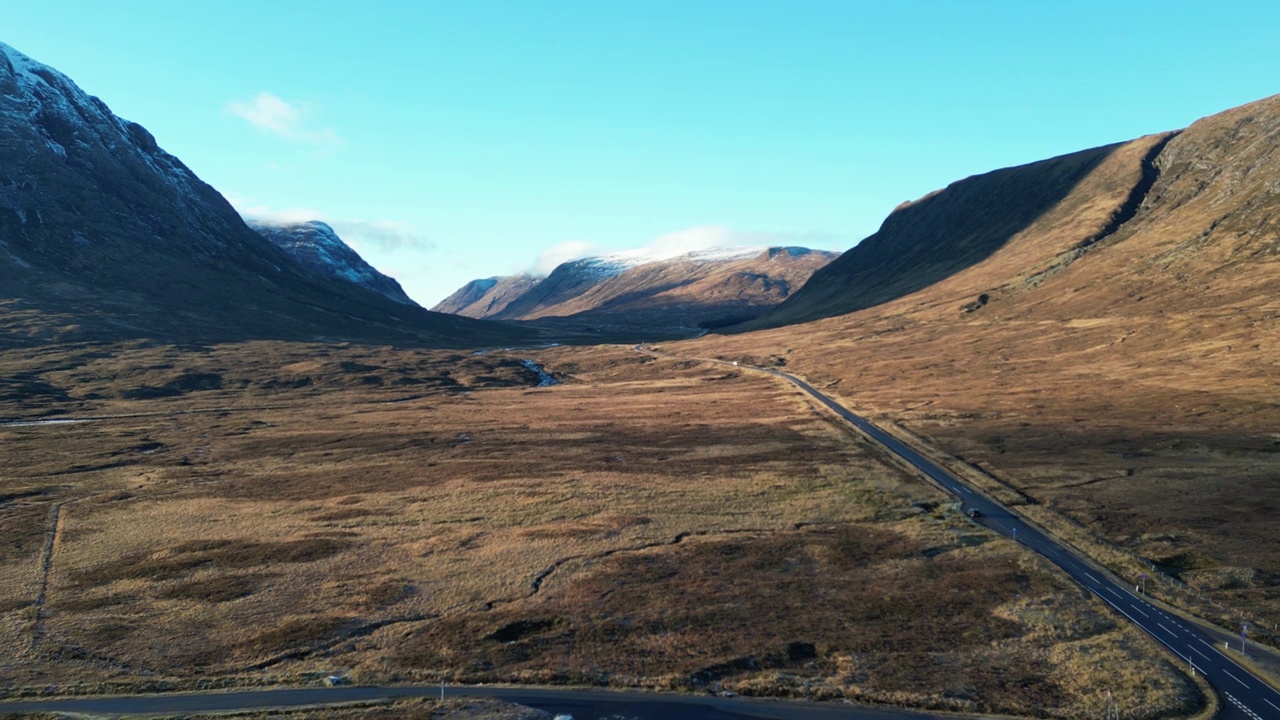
[[487, 297], [1114, 360], [666, 298], [685, 293]]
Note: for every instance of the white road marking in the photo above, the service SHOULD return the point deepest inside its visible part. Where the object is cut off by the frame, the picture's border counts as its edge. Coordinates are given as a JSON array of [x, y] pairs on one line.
[[1092, 577], [1113, 592], [1233, 677], [1245, 708], [1136, 609], [1270, 703], [966, 489], [1162, 627], [1201, 654]]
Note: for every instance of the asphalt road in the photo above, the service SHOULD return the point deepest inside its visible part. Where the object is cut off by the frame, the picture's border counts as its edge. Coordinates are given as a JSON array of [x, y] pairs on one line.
[[1244, 696], [580, 704]]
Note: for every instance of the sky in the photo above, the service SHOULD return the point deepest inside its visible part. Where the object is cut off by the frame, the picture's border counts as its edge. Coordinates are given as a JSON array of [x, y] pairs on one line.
[[448, 141]]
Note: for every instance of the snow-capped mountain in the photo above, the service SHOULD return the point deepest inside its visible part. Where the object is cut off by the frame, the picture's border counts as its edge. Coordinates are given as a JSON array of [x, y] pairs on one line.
[[630, 290], [318, 248], [103, 234]]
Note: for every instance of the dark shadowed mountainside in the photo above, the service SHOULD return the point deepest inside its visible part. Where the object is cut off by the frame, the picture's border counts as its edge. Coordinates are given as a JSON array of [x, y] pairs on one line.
[[104, 235], [316, 247], [927, 241]]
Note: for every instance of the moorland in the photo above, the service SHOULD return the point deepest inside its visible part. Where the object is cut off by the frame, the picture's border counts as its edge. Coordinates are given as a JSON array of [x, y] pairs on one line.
[[270, 512]]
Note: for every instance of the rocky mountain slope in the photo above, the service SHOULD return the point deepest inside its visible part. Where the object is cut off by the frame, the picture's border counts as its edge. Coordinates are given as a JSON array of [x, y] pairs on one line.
[[486, 297], [1097, 333], [105, 235], [628, 292], [316, 247]]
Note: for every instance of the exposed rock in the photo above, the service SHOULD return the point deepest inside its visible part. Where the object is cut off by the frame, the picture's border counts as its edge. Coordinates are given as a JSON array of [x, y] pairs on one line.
[[316, 247]]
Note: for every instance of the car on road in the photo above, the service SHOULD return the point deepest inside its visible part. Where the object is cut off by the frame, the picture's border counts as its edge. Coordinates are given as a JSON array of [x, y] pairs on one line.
[[973, 512]]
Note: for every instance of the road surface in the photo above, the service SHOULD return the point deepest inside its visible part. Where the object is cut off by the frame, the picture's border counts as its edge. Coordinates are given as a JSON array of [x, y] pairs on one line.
[[1244, 696], [580, 704]]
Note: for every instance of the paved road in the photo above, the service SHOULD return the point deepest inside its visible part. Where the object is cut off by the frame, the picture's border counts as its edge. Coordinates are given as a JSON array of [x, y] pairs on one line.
[[1244, 696], [580, 704]]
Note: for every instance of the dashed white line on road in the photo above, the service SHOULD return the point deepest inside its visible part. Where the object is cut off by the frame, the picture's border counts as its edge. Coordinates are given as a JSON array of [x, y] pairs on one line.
[[1201, 654], [1162, 627], [1113, 592], [1139, 611], [1092, 577], [1270, 703], [1253, 715], [1233, 677]]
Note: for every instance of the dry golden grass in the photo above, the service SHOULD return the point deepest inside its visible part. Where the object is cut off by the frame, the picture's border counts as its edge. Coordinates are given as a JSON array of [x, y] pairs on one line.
[[411, 709], [1151, 434], [649, 523], [1122, 384], [408, 709]]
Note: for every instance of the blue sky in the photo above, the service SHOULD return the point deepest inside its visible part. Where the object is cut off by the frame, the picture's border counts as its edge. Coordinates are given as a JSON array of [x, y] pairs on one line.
[[448, 141]]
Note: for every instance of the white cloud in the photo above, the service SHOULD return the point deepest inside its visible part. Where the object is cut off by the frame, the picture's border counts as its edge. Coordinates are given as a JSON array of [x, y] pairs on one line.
[[706, 237], [681, 242], [387, 235], [279, 117], [384, 235], [561, 253], [272, 216]]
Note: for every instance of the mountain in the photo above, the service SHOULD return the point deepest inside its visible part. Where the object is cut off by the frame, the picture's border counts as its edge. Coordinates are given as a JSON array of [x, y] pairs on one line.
[[103, 234], [316, 247], [925, 242], [1157, 216], [487, 297], [1094, 336], [630, 292], [567, 281]]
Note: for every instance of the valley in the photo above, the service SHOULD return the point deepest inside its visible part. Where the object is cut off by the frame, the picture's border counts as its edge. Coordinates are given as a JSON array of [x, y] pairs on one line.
[[607, 531], [235, 456]]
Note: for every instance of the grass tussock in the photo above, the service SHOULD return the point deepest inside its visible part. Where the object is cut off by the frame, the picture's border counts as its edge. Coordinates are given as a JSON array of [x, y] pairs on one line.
[[408, 709], [222, 555]]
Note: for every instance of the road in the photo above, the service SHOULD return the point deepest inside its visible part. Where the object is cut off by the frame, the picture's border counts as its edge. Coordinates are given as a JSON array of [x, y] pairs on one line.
[[580, 704], [1244, 696]]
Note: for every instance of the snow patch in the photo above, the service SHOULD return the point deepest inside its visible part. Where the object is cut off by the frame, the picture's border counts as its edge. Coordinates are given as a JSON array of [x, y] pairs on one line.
[[606, 266], [29, 70]]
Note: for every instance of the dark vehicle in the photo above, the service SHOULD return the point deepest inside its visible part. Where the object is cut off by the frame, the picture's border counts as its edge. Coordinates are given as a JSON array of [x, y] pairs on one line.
[[973, 512]]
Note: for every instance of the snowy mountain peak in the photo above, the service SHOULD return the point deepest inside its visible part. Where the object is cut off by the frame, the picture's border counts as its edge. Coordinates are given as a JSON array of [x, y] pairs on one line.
[[27, 70], [316, 246], [626, 259]]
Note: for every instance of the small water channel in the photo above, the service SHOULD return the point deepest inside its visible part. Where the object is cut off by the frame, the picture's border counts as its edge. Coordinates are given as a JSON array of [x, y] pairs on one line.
[[32, 423], [545, 379]]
